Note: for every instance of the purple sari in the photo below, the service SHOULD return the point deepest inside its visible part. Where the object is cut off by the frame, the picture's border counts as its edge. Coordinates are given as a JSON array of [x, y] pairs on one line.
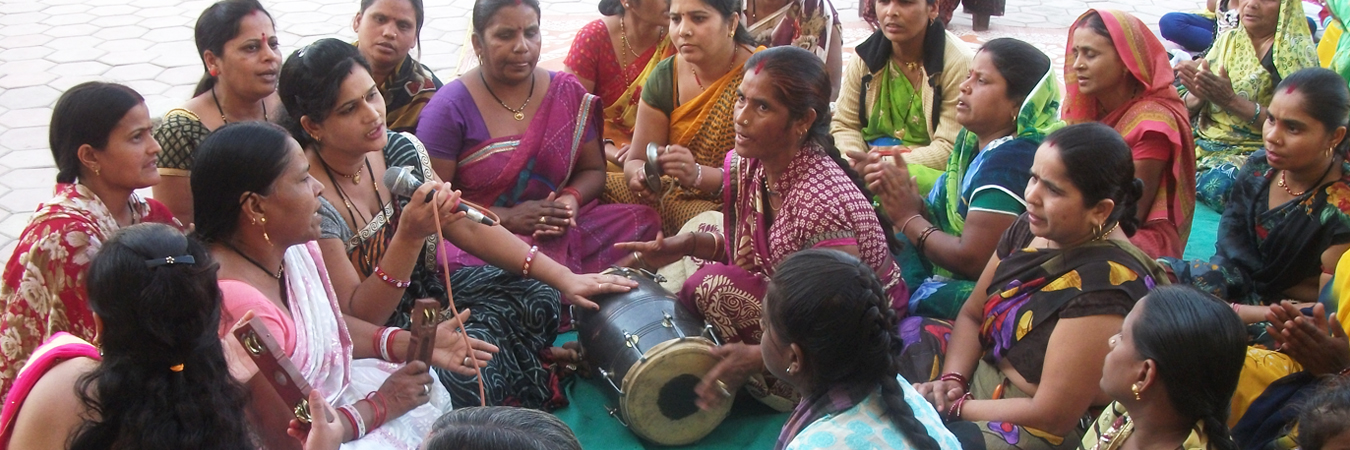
[[507, 171]]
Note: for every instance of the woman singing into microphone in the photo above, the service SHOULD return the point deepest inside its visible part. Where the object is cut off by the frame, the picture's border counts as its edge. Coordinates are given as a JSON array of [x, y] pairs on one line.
[[384, 248]]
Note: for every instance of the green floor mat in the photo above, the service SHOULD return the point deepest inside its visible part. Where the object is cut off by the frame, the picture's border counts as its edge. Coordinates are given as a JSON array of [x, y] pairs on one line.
[[1204, 232], [751, 425]]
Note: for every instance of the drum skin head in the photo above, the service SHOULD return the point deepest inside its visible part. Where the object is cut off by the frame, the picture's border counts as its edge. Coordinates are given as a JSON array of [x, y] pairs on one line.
[[658, 400]]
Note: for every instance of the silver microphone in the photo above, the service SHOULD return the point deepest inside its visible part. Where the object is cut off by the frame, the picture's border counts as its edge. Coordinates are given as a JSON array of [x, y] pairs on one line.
[[401, 182]]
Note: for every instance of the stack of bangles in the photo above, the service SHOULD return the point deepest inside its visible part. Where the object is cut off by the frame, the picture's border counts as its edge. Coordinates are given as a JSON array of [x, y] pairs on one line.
[[954, 411], [378, 407], [384, 344], [923, 238]]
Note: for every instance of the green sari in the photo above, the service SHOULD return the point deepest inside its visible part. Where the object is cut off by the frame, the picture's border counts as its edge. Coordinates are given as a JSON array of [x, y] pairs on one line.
[[990, 179], [1224, 140], [897, 120]]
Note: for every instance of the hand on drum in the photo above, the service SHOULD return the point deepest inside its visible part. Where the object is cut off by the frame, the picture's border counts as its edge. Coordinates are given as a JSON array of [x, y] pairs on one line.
[[450, 353], [653, 255], [739, 362], [577, 288], [941, 393]]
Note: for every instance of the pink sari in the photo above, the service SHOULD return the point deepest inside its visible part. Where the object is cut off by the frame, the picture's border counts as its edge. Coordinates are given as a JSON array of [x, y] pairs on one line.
[[59, 348], [507, 171]]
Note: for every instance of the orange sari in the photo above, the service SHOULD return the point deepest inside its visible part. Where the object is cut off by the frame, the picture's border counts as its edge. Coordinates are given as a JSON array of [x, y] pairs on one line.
[[1157, 109]]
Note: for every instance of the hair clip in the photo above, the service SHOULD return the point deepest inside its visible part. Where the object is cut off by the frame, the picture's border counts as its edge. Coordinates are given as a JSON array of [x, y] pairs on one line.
[[176, 368], [170, 260]]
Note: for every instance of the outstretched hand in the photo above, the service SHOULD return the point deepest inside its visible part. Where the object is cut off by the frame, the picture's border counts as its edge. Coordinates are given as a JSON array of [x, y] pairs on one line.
[[450, 352]]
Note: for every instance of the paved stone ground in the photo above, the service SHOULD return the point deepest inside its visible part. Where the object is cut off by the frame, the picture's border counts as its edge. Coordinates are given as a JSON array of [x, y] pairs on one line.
[[47, 46]]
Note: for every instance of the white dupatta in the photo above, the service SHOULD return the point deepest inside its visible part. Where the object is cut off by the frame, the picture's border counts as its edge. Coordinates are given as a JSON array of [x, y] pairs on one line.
[[323, 354]]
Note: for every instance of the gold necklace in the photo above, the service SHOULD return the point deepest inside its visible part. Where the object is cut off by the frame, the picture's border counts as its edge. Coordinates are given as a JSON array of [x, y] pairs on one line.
[[729, 66], [623, 36], [518, 114], [1291, 193]]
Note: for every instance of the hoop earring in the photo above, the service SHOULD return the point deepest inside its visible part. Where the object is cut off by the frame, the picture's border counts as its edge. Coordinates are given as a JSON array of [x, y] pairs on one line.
[[1096, 231]]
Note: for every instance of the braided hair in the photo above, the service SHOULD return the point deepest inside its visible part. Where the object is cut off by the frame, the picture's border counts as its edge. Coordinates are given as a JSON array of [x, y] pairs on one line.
[[803, 85], [834, 308]]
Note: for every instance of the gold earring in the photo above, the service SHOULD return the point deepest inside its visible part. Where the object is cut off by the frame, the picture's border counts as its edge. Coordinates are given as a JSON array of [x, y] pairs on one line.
[[97, 172], [263, 221], [1135, 389]]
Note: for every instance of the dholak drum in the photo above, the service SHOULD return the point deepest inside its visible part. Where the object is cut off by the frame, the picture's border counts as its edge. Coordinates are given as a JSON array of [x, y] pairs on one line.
[[648, 353]]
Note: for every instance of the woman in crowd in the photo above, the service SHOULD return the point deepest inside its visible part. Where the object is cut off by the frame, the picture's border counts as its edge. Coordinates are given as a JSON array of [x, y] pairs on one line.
[[787, 189], [384, 248], [899, 94], [830, 332], [101, 143], [500, 427], [615, 69], [1229, 90], [1104, 46], [155, 375], [259, 212], [1171, 372], [810, 24], [687, 107], [386, 31], [539, 168], [1288, 220], [237, 42], [1024, 357], [1006, 106]]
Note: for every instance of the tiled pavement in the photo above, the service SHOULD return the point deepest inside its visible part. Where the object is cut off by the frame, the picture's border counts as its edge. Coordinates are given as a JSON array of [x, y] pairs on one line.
[[47, 46]]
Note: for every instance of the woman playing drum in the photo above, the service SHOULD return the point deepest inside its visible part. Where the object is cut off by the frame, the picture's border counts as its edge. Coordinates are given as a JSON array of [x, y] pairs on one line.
[[786, 189]]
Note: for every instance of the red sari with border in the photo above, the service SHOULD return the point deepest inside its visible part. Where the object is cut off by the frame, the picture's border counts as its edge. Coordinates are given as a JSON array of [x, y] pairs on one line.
[[43, 291], [1157, 109]]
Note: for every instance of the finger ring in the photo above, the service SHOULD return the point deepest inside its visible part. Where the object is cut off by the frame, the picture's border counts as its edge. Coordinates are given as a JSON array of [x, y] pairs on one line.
[[467, 361], [426, 389], [541, 220], [722, 388]]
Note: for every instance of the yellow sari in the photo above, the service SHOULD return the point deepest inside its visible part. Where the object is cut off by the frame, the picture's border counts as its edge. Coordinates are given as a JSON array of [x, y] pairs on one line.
[[705, 126]]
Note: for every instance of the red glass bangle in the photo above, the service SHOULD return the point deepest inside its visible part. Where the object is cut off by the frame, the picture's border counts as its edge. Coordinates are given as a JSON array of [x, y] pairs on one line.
[[390, 280], [529, 260], [570, 191], [953, 376]]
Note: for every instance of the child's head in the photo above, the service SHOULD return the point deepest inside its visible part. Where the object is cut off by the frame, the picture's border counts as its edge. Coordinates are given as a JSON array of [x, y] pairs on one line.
[[1325, 419]]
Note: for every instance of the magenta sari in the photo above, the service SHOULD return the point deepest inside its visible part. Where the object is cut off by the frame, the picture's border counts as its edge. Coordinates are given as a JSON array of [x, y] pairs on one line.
[[507, 171]]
